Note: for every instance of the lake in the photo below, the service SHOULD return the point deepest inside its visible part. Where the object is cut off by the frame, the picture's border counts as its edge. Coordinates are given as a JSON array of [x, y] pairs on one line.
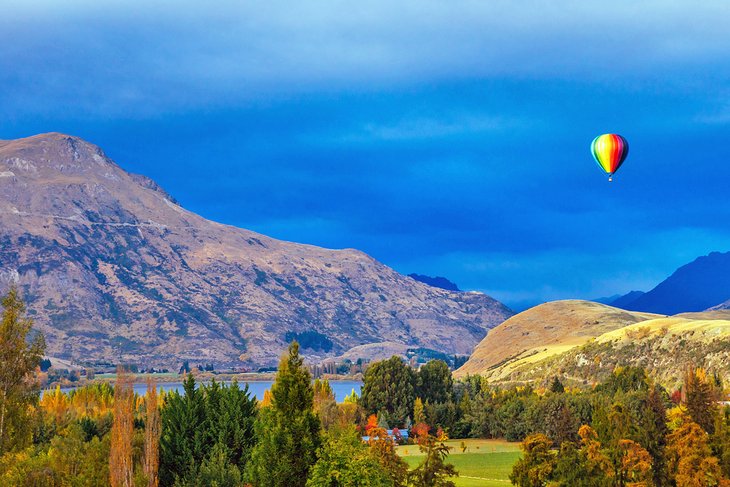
[[341, 388]]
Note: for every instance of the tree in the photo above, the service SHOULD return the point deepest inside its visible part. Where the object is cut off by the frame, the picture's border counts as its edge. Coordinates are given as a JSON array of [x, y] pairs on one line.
[[121, 468], [152, 436], [434, 383], [537, 463], [653, 434], [288, 431], [325, 404], [556, 386], [433, 471], [19, 358], [204, 430], [345, 462], [690, 459], [382, 448], [699, 397], [182, 443], [418, 414], [388, 386]]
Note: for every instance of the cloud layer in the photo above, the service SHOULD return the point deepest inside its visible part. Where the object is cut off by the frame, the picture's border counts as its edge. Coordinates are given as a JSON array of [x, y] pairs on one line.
[[444, 138]]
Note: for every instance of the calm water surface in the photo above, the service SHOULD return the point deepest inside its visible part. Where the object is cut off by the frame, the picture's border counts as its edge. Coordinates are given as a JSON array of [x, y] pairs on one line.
[[341, 388]]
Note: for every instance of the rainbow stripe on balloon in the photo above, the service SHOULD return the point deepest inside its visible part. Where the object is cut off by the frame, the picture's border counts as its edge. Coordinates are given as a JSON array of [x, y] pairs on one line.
[[609, 151]]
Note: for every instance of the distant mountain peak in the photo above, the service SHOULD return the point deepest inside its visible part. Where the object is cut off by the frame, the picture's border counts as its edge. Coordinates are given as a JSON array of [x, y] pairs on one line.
[[701, 284], [438, 281]]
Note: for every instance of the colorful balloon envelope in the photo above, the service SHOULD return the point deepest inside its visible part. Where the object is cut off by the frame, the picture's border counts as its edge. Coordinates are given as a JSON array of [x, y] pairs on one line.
[[609, 151]]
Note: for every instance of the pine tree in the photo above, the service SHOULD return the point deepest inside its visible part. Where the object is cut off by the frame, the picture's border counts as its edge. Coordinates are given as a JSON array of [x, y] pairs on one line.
[[152, 436], [182, 443], [288, 431], [18, 361], [699, 397], [120, 453]]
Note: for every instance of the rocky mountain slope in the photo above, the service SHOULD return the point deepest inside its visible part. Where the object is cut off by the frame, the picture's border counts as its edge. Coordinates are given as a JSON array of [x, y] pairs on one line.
[[582, 342], [114, 269], [699, 285]]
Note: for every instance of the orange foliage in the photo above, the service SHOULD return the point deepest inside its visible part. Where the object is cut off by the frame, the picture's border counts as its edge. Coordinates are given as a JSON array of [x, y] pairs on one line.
[[120, 453], [152, 435]]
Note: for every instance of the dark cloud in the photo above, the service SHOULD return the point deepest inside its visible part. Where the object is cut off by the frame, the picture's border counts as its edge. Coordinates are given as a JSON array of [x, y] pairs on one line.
[[443, 138]]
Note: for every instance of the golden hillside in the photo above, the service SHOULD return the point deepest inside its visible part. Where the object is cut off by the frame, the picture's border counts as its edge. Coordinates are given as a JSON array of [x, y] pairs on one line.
[[583, 342], [543, 331]]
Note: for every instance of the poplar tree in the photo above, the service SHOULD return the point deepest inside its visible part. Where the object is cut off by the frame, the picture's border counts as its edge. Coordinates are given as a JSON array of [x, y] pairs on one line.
[[120, 453], [152, 436], [19, 358]]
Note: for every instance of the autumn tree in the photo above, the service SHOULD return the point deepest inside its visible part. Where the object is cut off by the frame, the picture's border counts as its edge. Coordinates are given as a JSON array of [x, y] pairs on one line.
[[691, 462], [20, 354], [382, 448], [288, 431], [152, 435], [699, 397], [536, 466], [325, 405], [121, 467]]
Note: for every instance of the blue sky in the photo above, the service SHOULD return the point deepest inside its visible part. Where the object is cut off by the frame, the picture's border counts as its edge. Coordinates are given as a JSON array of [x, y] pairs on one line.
[[444, 138]]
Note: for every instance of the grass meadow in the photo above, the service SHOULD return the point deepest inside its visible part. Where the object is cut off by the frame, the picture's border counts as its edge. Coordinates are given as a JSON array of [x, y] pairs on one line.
[[484, 463]]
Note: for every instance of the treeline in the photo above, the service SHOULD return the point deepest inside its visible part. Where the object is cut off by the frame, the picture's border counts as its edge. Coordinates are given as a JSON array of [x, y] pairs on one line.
[[632, 433], [625, 431], [208, 435]]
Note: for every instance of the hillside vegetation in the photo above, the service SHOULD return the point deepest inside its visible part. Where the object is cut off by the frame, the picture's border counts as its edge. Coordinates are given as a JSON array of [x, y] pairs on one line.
[[583, 342]]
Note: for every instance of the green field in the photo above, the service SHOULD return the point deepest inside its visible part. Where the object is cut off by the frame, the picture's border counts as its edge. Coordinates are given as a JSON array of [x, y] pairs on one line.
[[485, 463]]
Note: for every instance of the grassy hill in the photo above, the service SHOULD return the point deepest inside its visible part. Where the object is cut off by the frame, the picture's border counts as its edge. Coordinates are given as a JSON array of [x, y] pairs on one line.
[[583, 342]]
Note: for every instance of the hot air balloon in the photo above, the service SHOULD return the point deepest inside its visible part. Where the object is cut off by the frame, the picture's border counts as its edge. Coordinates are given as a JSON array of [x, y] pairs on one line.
[[609, 151]]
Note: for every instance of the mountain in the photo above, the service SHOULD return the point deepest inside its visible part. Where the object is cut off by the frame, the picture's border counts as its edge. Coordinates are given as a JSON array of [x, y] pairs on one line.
[[583, 342], [544, 330], [699, 285], [113, 269], [606, 299], [626, 299], [439, 282]]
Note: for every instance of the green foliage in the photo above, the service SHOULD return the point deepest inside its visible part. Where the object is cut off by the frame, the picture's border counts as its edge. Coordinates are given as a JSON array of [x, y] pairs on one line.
[[389, 386], [344, 461], [434, 383], [204, 421], [19, 358], [556, 386], [288, 431], [433, 471]]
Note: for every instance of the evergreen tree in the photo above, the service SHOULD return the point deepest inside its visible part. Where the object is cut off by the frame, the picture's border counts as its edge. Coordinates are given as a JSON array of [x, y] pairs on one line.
[[182, 444], [388, 386], [556, 386], [434, 383], [699, 397], [18, 361], [288, 431], [206, 427]]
